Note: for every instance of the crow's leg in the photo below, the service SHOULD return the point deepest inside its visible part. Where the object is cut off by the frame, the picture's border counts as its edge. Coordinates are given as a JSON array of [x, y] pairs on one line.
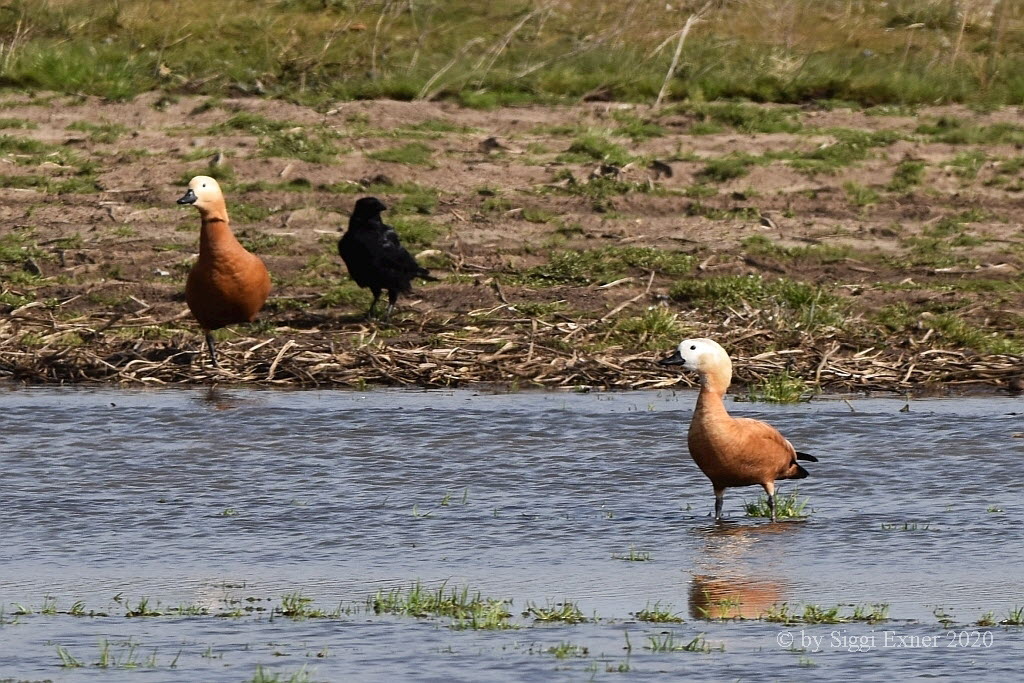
[[392, 298], [373, 304]]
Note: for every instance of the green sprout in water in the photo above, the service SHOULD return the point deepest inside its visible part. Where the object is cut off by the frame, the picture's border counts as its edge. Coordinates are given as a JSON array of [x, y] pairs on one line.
[[666, 642], [1015, 617], [564, 650], [568, 612], [790, 506], [634, 555], [657, 614]]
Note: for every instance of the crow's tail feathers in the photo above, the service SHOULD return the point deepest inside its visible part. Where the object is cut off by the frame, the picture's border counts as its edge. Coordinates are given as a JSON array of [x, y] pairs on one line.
[[424, 274]]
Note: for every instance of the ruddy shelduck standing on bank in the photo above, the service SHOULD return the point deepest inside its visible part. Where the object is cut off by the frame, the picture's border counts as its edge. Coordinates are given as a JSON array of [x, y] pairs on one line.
[[227, 285], [732, 451]]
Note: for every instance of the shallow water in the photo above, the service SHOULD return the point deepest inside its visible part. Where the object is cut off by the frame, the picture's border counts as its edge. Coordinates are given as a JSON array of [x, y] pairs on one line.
[[205, 497]]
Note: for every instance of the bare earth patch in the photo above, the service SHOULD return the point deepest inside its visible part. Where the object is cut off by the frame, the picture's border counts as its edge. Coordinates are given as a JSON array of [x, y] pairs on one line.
[[856, 251]]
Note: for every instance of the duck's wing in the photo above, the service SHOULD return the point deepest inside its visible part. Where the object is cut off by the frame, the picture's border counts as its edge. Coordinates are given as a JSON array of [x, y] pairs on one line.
[[760, 436]]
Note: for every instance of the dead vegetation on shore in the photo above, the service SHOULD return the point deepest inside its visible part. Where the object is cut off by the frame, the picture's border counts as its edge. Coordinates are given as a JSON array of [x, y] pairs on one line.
[[495, 347], [827, 249]]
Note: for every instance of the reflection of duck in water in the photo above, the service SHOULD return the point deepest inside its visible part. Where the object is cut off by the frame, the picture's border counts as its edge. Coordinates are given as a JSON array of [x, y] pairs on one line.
[[714, 597], [728, 576]]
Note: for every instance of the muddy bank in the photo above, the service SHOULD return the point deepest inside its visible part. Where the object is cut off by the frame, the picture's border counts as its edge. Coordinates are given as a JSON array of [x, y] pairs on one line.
[[875, 249]]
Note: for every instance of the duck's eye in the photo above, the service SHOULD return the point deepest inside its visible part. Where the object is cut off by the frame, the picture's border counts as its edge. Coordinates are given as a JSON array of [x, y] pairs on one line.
[[693, 348], [204, 184]]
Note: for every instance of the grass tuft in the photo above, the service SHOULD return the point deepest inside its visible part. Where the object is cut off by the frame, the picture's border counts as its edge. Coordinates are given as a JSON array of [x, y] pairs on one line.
[[780, 387], [786, 507]]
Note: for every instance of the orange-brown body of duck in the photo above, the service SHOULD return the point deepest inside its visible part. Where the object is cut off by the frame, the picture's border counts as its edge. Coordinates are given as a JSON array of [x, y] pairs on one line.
[[227, 285]]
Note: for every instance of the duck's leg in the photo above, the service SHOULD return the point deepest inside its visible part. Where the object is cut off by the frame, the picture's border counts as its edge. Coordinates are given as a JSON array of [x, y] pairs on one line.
[[719, 496], [210, 346], [769, 488]]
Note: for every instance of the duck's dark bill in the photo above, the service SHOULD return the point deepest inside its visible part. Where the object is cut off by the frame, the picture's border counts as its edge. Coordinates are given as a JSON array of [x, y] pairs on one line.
[[674, 359]]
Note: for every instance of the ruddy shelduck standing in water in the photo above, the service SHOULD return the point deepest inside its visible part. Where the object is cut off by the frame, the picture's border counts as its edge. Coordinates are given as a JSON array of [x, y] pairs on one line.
[[227, 285], [732, 451]]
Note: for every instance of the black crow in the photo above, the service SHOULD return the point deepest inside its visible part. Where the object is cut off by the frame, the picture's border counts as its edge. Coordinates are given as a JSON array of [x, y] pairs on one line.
[[375, 258]]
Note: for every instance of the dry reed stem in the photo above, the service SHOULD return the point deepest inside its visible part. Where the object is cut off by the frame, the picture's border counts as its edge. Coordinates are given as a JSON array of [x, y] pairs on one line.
[[693, 19]]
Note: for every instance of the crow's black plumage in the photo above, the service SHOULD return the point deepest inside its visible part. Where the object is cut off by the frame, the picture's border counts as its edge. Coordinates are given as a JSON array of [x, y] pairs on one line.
[[375, 258]]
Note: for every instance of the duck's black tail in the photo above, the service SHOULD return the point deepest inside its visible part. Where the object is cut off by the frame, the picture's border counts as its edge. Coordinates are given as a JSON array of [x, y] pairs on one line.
[[798, 472]]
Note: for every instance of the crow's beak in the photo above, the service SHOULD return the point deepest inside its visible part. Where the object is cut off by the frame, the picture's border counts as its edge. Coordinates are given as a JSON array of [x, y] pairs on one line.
[[188, 198], [674, 359]]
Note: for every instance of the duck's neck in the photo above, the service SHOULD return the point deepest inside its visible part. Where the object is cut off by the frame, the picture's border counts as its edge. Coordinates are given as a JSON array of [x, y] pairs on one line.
[[216, 231], [713, 386]]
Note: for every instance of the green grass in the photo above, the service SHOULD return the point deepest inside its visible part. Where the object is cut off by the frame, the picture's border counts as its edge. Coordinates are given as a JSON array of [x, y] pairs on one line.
[[667, 642], [415, 232], [596, 147], [759, 245], [600, 190], [78, 184], [810, 306], [871, 614], [316, 148], [780, 387], [414, 198], [745, 118], [410, 154], [298, 607], [1014, 617], [249, 213], [726, 168], [250, 123], [67, 660], [345, 294], [786, 507], [29, 151], [656, 328], [955, 131], [603, 265], [9, 122], [860, 195], [302, 675], [633, 555], [968, 164], [263, 243], [566, 650], [466, 609], [960, 333], [105, 132], [564, 612], [811, 614], [658, 614], [635, 128], [849, 147], [481, 56], [908, 175]]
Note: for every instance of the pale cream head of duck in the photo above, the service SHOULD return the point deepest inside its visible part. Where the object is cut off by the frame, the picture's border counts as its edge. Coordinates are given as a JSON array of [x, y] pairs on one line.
[[705, 357], [204, 193]]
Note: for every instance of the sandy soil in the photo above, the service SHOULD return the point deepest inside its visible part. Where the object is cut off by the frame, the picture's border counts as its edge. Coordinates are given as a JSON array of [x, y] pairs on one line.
[[109, 266]]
